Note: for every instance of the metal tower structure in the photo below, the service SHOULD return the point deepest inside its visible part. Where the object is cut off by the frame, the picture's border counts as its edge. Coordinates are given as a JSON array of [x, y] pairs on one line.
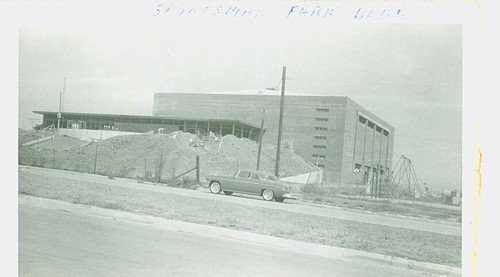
[[404, 182]]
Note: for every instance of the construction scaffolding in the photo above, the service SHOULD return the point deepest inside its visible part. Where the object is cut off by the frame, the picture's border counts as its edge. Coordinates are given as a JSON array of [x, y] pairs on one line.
[[405, 184], [401, 183]]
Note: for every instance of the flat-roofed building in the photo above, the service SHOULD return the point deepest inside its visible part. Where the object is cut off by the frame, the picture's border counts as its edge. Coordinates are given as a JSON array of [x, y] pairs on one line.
[[144, 124], [333, 132]]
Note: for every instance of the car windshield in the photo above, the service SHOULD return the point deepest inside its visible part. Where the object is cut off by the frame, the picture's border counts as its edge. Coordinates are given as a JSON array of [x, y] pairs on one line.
[[254, 176], [271, 178], [244, 174]]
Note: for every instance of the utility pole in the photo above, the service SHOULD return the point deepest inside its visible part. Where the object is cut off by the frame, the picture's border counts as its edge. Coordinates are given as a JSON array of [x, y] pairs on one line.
[[61, 105], [282, 103], [260, 138]]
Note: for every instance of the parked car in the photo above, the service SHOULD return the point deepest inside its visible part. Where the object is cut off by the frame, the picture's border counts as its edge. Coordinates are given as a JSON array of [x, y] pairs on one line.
[[253, 182]]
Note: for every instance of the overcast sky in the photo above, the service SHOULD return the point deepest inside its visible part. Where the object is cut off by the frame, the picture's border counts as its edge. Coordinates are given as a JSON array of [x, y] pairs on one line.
[[409, 75]]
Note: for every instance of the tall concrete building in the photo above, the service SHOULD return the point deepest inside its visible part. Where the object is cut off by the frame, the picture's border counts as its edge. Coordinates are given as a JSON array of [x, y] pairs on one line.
[[344, 139]]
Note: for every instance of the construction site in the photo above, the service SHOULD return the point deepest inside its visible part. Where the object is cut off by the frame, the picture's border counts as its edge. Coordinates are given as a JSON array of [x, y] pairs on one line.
[[154, 157], [330, 144], [172, 157]]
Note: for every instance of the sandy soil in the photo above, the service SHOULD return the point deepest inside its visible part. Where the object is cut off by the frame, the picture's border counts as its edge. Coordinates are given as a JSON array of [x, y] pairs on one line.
[[139, 156]]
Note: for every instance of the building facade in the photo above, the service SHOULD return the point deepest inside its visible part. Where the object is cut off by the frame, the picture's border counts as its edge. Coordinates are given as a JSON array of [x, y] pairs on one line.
[[143, 124], [347, 141]]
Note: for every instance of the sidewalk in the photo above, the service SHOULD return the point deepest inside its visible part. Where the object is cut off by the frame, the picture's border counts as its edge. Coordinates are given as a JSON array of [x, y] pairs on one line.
[[211, 231]]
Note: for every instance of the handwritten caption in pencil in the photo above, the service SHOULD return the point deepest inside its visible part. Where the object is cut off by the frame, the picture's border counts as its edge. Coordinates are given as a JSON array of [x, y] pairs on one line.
[[290, 12]]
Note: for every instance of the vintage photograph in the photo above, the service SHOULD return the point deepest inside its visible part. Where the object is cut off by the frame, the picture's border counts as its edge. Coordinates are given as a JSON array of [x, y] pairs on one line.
[[224, 139]]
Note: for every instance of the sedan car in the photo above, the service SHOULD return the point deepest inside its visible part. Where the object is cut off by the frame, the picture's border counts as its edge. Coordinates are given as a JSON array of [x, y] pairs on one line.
[[252, 182]]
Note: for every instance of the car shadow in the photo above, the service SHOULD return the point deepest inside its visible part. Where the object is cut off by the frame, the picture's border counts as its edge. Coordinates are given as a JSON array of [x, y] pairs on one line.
[[253, 197]]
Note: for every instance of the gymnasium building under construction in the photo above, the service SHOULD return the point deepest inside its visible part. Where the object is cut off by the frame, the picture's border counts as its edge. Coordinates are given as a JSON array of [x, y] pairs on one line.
[[332, 132]]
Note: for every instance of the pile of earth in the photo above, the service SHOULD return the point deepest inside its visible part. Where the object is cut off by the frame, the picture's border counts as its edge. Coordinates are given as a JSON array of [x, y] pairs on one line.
[[141, 156], [26, 135]]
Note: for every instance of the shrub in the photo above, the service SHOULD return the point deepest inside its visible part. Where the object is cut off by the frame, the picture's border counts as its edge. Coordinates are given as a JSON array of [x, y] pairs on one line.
[[124, 172], [187, 183], [159, 168], [314, 189]]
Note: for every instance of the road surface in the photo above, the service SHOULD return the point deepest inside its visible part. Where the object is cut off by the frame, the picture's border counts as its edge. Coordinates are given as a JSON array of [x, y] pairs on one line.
[[61, 243], [290, 206]]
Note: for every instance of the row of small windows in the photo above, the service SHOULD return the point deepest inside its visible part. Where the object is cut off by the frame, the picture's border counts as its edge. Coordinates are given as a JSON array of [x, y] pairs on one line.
[[322, 110], [321, 119], [320, 137], [318, 156], [319, 146], [321, 129]]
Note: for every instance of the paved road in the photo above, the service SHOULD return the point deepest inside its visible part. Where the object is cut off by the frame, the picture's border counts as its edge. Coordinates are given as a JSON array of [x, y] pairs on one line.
[[290, 206], [61, 243]]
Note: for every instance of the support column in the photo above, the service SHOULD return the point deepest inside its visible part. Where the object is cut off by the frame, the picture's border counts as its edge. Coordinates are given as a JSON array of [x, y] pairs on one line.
[[250, 134], [379, 165], [373, 151], [354, 150], [387, 152], [364, 149]]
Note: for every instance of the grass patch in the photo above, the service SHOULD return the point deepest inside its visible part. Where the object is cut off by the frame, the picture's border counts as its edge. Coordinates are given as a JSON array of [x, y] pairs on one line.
[[386, 206], [398, 242]]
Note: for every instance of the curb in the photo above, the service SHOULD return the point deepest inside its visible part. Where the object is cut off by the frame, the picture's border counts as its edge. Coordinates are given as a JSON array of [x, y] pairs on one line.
[[229, 234]]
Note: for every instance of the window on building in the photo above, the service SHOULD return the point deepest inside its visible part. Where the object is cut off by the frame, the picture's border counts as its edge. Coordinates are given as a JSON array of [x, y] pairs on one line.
[[320, 137], [321, 119], [386, 133], [318, 156], [322, 110], [321, 129], [319, 146], [362, 119]]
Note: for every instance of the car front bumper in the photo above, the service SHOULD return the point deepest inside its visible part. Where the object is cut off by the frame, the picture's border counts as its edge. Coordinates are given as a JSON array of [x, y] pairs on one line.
[[292, 196]]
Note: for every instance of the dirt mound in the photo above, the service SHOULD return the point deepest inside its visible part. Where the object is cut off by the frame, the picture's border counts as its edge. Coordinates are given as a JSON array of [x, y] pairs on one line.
[[140, 156], [30, 135]]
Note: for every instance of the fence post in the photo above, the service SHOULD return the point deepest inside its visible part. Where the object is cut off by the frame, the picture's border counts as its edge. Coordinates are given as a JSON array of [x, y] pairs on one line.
[[95, 160], [53, 158], [198, 169]]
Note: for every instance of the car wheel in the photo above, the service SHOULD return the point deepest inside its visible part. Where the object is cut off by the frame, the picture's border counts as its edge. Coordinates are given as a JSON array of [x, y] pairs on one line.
[[279, 199], [268, 195], [228, 192], [215, 187]]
